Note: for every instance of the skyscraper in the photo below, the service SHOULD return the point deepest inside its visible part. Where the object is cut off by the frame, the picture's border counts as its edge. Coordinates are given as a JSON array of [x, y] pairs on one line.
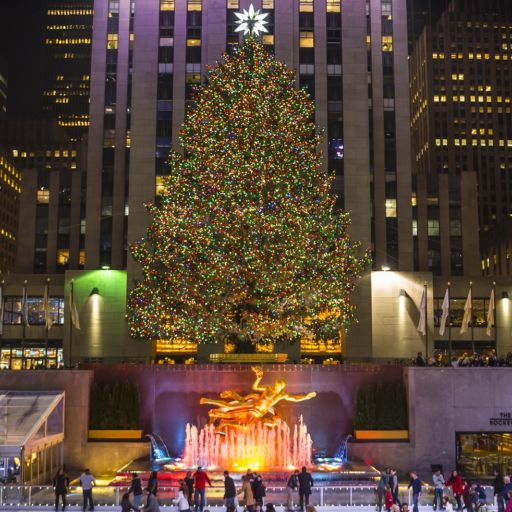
[[146, 58], [462, 133], [67, 42]]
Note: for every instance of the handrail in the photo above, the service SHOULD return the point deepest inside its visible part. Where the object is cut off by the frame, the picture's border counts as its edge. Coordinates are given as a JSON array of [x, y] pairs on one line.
[[360, 495]]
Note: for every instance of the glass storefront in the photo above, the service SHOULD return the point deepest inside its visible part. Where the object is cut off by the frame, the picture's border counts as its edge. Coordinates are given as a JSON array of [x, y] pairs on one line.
[[15, 357], [479, 454]]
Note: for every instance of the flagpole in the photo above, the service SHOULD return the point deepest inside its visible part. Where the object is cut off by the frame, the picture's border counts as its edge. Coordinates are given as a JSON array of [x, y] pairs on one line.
[[46, 314], [425, 288], [472, 322], [24, 311], [71, 327], [449, 324], [495, 312]]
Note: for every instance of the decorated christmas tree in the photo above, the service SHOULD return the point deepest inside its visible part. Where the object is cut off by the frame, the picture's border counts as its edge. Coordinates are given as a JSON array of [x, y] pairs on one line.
[[245, 245]]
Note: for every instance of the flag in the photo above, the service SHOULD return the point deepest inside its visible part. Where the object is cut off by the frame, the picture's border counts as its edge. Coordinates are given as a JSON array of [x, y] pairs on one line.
[[24, 307], [1, 310], [446, 312], [490, 314], [46, 308], [422, 324], [468, 313], [75, 319]]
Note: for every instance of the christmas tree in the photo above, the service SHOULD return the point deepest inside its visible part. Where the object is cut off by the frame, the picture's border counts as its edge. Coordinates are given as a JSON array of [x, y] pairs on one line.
[[245, 245]]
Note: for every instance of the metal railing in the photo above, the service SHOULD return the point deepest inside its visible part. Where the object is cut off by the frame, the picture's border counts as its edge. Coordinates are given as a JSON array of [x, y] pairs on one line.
[[15, 496]]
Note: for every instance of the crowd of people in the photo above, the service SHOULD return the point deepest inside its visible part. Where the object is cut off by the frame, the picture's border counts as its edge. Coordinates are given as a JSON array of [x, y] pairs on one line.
[[466, 359], [191, 494], [454, 493]]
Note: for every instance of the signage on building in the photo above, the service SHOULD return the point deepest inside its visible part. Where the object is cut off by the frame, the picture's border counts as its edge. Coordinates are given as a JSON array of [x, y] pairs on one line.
[[504, 418]]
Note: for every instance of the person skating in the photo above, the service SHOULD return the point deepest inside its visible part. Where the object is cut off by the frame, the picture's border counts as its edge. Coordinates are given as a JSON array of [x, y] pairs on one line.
[[136, 490], [229, 491], [393, 483], [291, 487], [455, 482], [127, 505], [246, 492], [499, 485], [381, 486], [415, 485], [60, 486], [305, 484], [388, 498], [181, 499], [438, 481], [189, 482], [151, 501], [87, 481], [258, 491], [200, 480], [153, 482]]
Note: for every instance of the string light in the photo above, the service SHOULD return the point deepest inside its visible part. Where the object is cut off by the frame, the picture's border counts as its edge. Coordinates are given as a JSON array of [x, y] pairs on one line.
[[245, 245]]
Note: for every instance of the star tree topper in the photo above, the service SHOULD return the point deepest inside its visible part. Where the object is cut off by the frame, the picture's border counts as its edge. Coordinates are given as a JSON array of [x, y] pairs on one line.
[[251, 22]]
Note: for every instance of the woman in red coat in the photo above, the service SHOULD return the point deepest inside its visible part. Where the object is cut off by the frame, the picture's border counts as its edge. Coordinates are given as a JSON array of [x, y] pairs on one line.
[[455, 482]]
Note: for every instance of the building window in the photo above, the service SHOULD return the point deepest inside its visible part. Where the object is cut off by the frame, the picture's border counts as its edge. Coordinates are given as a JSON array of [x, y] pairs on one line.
[[112, 41], [433, 227], [305, 5], [194, 5], [306, 40], [390, 207], [43, 196], [35, 308], [167, 5]]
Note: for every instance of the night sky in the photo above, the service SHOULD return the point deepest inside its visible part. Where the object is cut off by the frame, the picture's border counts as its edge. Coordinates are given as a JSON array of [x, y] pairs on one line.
[[21, 46]]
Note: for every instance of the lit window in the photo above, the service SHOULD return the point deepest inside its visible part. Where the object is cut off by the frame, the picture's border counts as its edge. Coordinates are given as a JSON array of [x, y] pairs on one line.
[[160, 185], [305, 5], [333, 6], [387, 43], [233, 4], [306, 40], [167, 5], [112, 41], [81, 260], [390, 207], [62, 256], [268, 39], [193, 42], [43, 196], [15, 153], [267, 4], [194, 5], [414, 227], [113, 6], [433, 227]]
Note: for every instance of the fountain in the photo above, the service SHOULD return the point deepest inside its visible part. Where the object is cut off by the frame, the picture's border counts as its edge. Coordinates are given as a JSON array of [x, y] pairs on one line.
[[246, 431], [256, 446]]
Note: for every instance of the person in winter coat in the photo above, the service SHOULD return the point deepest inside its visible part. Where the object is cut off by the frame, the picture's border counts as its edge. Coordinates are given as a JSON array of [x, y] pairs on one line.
[[381, 487], [153, 482], [305, 484], [447, 504], [181, 498], [509, 504], [189, 482], [200, 480], [455, 482], [136, 489], [126, 504], [467, 495], [258, 491], [415, 485], [438, 481], [229, 491], [291, 487], [152, 502], [246, 493], [60, 486], [393, 484], [388, 498], [499, 485]]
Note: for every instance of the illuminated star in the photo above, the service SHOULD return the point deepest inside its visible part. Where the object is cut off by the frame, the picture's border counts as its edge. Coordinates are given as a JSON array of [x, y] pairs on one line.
[[251, 22]]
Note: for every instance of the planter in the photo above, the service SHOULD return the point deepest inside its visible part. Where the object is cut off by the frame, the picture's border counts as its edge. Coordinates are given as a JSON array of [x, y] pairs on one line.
[[381, 435], [115, 435]]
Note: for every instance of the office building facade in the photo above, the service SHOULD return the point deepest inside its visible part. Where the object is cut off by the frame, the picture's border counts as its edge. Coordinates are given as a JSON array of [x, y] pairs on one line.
[[67, 41], [462, 134]]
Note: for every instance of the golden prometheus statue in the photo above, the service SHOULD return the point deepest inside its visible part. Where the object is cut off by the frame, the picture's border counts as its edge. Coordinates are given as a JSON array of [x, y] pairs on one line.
[[237, 411]]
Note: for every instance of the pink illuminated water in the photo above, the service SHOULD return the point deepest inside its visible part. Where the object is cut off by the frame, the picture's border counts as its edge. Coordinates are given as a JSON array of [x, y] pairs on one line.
[[254, 446]]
